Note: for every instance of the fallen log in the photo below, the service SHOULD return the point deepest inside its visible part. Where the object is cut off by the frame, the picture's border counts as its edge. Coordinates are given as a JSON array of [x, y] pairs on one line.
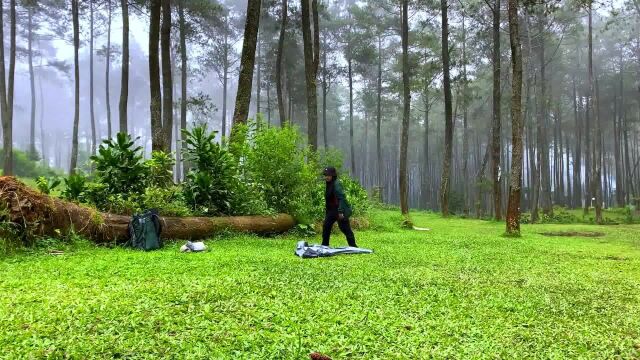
[[38, 214]]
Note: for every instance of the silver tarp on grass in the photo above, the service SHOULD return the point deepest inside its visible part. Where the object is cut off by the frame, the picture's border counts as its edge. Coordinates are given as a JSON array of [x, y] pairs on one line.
[[305, 251]]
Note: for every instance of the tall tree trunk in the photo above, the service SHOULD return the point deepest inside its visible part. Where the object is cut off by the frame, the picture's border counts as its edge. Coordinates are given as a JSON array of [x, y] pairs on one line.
[[404, 140], [183, 82], [596, 187], [515, 179], [425, 150], [324, 95], [465, 134], [534, 178], [283, 28], [107, 69], [496, 144], [157, 133], [567, 170], [587, 152], [247, 61], [258, 78], [379, 116], [517, 126], [616, 149], [6, 91], [76, 65], [351, 141], [225, 77], [124, 82], [33, 153], [480, 178], [448, 134], [167, 81], [6, 142], [268, 103], [627, 159], [577, 157], [311, 59], [558, 158], [92, 112], [176, 108], [543, 141], [43, 146]]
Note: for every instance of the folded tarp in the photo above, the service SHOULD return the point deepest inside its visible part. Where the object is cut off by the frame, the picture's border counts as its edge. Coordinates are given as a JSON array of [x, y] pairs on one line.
[[305, 251]]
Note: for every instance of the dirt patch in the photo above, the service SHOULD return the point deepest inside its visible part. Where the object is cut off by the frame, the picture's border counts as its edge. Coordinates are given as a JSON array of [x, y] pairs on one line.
[[574, 233]]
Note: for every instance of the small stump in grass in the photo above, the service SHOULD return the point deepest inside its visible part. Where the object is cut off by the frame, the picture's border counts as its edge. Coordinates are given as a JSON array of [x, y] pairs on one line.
[[318, 356], [573, 233]]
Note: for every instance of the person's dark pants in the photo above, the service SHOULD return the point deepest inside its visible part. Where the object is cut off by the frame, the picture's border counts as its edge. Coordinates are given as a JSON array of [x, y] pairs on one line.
[[330, 218]]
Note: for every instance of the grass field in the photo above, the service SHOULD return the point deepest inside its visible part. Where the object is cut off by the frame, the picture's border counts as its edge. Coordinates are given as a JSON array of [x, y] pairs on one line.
[[459, 291]]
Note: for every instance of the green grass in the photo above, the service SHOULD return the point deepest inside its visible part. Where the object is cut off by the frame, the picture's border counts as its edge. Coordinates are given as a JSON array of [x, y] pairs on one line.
[[459, 291]]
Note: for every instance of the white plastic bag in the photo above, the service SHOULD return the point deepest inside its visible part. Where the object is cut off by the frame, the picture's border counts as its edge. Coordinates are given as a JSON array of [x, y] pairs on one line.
[[193, 247]]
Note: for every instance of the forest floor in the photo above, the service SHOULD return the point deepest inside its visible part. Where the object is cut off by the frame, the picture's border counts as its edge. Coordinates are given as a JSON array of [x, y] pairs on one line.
[[460, 290]]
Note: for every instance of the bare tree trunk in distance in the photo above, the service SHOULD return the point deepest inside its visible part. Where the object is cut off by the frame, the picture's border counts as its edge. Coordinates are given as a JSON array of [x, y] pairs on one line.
[[32, 82], [379, 116], [577, 165], [247, 62], [6, 91], [496, 144], [157, 138], [124, 82], [76, 115], [167, 81], [94, 139], [543, 140], [283, 28], [325, 90], [311, 59], [404, 140], [515, 180], [351, 142], [183, 80], [107, 69], [448, 133], [465, 135], [596, 187]]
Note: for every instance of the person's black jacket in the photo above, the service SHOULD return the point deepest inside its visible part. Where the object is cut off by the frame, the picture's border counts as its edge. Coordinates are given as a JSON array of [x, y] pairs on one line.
[[336, 200]]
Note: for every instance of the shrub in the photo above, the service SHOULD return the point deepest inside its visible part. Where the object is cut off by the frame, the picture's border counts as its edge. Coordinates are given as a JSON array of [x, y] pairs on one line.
[[288, 173], [560, 216], [75, 186], [160, 169], [357, 196], [9, 239], [277, 161], [123, 204], [46, 185], [119, 165], [169, 201], [628, 214], [525, 218], [210, 185], [23, 166], [97, 194]]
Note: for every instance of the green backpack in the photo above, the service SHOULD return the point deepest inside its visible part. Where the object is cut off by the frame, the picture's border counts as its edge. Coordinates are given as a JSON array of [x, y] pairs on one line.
[[144, 231]]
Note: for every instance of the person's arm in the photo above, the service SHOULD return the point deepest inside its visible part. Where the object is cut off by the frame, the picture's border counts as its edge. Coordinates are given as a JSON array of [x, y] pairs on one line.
[[342, 200]]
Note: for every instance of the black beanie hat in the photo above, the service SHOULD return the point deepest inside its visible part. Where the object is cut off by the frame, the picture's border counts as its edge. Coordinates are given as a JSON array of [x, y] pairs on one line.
[[330, 171]]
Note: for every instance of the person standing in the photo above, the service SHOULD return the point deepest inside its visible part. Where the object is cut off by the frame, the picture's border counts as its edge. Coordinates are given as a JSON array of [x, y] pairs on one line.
[[337, 208]]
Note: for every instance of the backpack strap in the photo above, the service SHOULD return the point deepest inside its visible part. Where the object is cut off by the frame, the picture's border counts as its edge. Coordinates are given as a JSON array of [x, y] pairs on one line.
[[157, 223], [132, 231]]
